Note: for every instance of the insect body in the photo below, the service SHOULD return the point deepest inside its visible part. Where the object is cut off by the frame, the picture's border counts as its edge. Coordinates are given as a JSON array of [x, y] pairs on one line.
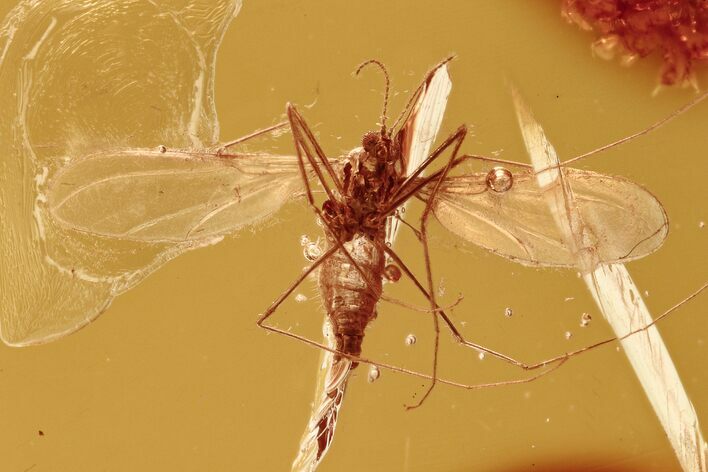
[[358, 219], [350, 306], [174, 196], [351, 279], [370, 174], [112, 167]]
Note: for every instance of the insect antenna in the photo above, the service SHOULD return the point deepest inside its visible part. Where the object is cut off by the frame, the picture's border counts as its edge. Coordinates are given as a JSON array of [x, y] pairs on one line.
[[388, 86]]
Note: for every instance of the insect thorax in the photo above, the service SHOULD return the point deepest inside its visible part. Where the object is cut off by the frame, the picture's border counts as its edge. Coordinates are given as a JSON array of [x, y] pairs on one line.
[[369, 177]]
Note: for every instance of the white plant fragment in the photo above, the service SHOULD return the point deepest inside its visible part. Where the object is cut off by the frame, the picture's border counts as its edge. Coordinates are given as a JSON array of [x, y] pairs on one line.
[[619, 300]]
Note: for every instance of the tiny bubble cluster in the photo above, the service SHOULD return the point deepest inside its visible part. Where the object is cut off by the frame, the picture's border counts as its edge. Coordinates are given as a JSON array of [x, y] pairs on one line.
[[585, 319]]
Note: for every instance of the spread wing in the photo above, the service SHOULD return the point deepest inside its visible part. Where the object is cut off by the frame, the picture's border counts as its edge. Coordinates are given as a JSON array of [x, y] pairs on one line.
[[628, 222], [418, 133], [148, 195], [72, 86]]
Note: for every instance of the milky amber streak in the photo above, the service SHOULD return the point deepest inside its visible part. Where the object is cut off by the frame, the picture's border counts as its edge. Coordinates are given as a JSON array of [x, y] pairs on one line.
[[676, 29]]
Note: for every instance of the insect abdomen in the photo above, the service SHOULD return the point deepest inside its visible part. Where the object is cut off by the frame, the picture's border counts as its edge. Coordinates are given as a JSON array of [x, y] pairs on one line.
[[348, 300]]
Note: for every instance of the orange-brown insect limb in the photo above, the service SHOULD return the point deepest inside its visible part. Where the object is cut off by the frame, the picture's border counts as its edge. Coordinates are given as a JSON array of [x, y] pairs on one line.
[[386, 93]]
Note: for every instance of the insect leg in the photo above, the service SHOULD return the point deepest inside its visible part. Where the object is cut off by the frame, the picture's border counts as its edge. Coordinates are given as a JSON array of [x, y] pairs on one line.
[[647, 130], [300, 147], [398, 302], [297, 121], [414, 373], [643, 328], [298, 127], [274, 306], [415, 187], [455, 332], [457, 335], [456, 139], [252, 135], [619, 142], [409, 186], [308, 270], [261, 322], [340, 246]]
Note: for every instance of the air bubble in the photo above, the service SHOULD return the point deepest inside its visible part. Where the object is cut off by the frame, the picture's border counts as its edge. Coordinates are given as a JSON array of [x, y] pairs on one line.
[[508, 312], [499, 179], [374, 374], [411, 340], [568, 335], [606, 47], [300, 298], [162, 148], [311, 251], [392, 273], [585, 319]]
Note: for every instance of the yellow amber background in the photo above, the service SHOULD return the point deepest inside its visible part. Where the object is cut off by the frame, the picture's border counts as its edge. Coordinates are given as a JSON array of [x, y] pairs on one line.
[[177, 377]]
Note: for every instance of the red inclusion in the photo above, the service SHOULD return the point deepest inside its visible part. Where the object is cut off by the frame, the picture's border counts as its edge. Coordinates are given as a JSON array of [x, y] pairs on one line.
[[676, 29]]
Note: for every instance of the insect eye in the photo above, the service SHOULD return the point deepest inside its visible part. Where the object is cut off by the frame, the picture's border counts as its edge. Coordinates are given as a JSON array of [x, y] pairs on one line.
[[499, 179], [369, 141]]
